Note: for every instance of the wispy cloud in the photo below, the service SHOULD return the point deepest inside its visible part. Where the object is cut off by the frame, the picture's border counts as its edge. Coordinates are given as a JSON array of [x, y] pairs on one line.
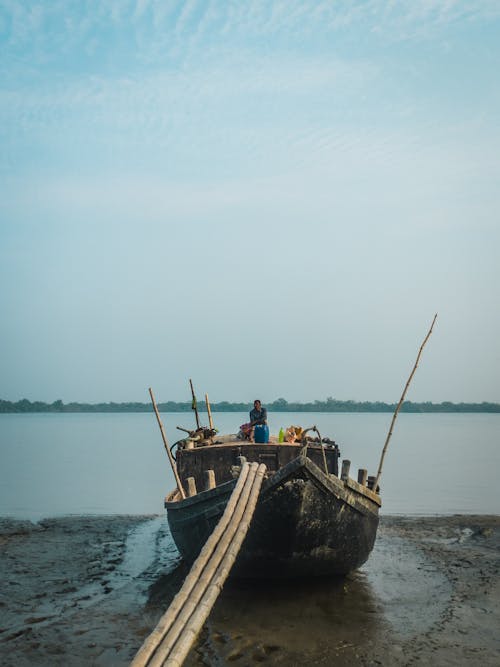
[[240, 99], [154, 31], [218, 99]]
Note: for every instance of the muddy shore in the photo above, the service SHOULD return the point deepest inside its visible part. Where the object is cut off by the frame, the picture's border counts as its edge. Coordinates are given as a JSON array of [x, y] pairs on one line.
[[88, 590]]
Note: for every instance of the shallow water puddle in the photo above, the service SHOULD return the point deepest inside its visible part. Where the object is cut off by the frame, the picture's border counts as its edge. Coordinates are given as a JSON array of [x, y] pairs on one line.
[[412, 592], [140, 548]]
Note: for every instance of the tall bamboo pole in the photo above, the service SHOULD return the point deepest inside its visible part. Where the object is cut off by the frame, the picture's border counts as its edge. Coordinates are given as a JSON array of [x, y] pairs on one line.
[[167, 448], [209, 411], [379, 472]]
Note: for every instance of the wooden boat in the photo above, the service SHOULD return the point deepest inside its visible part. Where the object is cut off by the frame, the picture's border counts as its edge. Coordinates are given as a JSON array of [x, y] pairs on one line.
[[309, 521]]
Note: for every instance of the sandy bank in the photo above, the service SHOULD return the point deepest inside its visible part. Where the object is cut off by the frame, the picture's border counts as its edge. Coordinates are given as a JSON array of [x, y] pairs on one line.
[[87, 590]]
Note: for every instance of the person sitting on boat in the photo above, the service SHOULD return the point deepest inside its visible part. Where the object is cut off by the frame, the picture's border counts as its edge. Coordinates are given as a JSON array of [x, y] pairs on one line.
[[258, 416]]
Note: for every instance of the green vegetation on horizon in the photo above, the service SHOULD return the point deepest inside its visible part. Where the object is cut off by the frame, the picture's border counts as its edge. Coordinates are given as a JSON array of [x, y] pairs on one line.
[[279, 405]]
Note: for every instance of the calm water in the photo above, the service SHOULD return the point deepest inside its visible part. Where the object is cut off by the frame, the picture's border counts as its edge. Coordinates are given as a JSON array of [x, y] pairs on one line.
[[56, 464]]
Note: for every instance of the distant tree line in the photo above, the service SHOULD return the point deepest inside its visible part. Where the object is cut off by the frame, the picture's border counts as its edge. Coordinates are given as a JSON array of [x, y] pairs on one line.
[[279, 405]]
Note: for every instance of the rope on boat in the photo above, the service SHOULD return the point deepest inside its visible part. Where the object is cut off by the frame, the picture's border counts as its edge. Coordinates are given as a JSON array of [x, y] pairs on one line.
[[304, 448], [177, 629]]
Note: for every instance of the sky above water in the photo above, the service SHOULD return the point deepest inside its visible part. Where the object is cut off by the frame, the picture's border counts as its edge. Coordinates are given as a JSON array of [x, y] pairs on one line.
[[271, 198]]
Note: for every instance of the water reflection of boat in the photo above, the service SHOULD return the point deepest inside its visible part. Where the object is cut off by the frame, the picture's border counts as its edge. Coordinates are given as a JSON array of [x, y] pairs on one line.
[[309, 520]]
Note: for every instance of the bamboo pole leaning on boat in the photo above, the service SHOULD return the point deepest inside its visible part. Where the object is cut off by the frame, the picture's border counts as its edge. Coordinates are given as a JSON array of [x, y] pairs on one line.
[[389, 434], [177, 642], [173, 636], [165, 623], [167, 448], [181, 649]]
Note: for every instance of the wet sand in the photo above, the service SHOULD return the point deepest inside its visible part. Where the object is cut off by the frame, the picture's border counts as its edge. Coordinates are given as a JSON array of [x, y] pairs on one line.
[[88, 590]]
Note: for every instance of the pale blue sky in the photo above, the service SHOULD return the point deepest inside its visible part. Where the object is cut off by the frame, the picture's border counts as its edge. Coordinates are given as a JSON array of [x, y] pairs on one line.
[[273, 198]]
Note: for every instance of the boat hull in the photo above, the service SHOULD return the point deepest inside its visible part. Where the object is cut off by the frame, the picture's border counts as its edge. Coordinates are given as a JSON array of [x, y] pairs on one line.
[[306, 523]]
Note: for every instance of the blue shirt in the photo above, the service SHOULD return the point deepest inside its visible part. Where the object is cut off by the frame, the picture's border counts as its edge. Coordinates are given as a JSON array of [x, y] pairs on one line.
[[258, 416]]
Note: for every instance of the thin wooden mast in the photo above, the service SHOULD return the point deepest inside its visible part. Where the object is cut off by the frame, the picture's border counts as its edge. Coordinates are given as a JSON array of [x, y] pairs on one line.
[[379, 472]]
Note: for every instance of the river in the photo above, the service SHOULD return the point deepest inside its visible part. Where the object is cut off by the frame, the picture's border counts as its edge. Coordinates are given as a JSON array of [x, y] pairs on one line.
[[60, 464]]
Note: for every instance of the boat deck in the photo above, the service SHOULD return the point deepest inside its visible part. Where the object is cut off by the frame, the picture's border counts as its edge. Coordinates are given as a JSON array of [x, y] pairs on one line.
[[224, 454]]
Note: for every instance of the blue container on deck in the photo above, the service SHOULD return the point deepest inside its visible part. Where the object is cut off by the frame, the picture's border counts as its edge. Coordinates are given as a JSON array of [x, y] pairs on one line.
[[261, 433]]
